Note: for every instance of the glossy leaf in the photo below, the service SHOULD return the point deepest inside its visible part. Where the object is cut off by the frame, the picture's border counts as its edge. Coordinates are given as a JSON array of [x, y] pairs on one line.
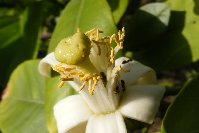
[[18, 39], [53, 95], [157, 31], [22, 107], [177, 46], [191, 29], [9, 30], [147, 24], [83, 14], [118, 8], [182, 116]]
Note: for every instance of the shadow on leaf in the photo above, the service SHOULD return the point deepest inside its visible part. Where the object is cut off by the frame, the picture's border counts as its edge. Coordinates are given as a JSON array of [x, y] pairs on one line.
[[196, 7], [157, 45]]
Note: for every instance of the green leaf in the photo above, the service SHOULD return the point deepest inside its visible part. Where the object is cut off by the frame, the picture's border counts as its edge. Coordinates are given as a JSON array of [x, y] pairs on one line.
[[160, 10], [178, 45], [53, 95], [22, 107], [19, 36], [147, 24], [9, 30], [118, 8], [83, 14], [190, 29], [182, 116], [157, 31]]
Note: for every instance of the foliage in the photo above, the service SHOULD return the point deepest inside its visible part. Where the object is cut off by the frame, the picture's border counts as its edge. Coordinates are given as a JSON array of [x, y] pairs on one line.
[[162, 35], [22, 108], [175, 120]]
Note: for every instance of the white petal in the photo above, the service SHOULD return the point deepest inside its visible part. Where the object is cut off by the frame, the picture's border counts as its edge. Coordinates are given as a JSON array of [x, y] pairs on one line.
[[75, 84], [99, 102], [107, 123], [141, 102], [147, 78], [111, 86], [46, 62], [131, 71], [70, 112], [99, 61]]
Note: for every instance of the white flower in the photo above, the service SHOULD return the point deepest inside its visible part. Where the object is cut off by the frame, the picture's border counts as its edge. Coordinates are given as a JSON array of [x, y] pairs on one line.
[[109, 89]]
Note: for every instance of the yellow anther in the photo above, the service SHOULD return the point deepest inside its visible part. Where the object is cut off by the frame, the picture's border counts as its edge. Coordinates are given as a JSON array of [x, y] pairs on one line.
[[61, 69], [95, 82], [61, 84], [90, 83], [97, 35], [99, 49], [91, 79], [83, 85], [79, 74], [112, 56], [86, 77]]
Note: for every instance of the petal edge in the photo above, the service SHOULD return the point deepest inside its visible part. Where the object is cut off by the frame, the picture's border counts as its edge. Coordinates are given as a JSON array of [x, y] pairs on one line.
[[106, 123], [141, 102], [45, 63], [70, 112]]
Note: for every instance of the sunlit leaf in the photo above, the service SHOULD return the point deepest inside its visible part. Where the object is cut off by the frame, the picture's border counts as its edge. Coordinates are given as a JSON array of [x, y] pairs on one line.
[[178, 45], [83, 14], [118, 8], [182, 116], [53, 95], [191, 29], [22, 107]]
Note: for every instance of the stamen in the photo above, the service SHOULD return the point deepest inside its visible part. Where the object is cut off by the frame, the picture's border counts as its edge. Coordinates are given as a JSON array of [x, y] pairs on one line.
[[90, 83], [61, 69], [91, 79], [89, 32], [61, 84], [112, 56], [78, 30], [67, 79], [95, 82], [97, 35], [83, 85]]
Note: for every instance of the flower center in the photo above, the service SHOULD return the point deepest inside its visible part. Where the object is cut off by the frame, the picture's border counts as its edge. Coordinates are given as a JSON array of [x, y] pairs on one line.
[[73, 53]]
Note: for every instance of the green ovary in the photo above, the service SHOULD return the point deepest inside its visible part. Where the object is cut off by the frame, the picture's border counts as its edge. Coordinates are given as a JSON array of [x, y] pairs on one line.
[[73, 50]]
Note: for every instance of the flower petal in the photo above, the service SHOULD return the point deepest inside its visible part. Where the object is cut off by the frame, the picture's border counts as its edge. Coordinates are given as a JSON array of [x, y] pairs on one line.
[[70, 112], [107, 123], [99, 102], [141, 102], [147, 78], [131, 71], [45, 63], [99, 61]]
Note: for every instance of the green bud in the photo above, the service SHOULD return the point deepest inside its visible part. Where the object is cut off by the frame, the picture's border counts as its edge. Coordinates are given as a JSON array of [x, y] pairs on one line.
[[73, 50]]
